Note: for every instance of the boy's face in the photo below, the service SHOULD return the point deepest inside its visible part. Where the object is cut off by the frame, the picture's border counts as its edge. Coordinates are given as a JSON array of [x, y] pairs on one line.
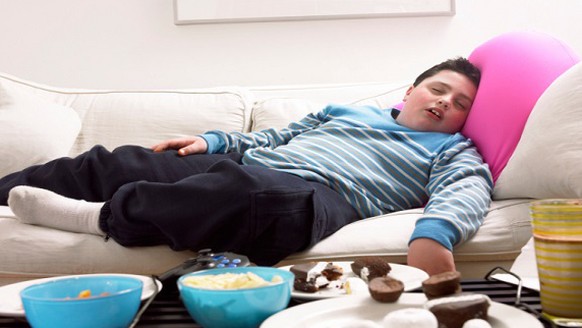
[[440, 103]]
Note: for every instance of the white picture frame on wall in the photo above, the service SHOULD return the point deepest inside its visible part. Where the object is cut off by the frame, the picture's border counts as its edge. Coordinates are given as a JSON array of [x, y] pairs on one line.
[[228, 11]]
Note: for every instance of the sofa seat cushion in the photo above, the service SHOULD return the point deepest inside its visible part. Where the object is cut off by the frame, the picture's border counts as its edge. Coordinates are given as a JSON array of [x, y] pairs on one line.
[[30, 251], [34, 251], [505, 230]]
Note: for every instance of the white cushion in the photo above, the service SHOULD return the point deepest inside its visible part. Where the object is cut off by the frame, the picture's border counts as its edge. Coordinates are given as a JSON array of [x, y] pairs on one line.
[[35, 251], [547, 160], [53, 252], [144, 118], [278, 112], [33, 130], [326, 93], [505, 230]]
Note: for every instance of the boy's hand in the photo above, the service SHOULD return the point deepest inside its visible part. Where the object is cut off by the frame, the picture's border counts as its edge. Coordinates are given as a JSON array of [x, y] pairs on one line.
[[185, 146], [430, 256]]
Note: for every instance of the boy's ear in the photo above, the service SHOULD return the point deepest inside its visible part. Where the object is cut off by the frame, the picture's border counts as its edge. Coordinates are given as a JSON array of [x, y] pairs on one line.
[[408, 93]]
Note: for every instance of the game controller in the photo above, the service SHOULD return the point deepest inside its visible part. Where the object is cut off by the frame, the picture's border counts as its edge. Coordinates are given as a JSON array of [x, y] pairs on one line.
[[205, 259]]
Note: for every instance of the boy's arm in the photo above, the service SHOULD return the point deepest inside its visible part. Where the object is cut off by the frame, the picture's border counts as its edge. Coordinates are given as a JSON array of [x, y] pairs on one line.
[[222, 142], [460, 189], [430, 256]]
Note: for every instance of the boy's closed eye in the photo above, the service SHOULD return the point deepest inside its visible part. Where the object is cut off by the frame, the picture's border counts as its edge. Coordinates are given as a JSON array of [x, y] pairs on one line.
[[462, 105]]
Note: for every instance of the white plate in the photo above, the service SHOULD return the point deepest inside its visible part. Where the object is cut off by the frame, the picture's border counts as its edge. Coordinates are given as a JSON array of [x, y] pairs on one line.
[[337, 312], [410, 276], [11, 305]]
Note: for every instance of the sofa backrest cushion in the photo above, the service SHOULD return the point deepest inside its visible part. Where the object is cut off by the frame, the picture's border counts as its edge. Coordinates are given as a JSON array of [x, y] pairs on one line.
[[32, 130], [279, 112], [276, 109], [547, 162], [147, 117], [142, 117], [516, 69]]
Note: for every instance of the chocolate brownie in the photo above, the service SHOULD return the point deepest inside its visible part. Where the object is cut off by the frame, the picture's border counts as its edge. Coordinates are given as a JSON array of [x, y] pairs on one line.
[[312, 276], [454, 311], [385, 289], [303, 270], [305, 286], [442, 284]]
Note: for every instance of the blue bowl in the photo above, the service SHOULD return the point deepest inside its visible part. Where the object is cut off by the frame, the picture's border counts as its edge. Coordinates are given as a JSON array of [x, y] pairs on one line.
[[56, 303], [240, 308]]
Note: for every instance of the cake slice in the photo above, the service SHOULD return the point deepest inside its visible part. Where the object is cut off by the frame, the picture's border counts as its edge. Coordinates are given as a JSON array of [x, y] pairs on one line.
[[369, 268]]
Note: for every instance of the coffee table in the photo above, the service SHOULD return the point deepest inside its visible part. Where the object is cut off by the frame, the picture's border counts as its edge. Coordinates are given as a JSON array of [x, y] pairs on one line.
[[167, 311]]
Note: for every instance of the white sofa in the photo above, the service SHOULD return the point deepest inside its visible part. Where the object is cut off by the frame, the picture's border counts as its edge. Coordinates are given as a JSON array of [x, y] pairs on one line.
[[41, 122]]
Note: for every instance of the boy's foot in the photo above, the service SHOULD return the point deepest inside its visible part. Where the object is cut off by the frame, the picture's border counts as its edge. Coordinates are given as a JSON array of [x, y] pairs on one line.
[[43, 207]]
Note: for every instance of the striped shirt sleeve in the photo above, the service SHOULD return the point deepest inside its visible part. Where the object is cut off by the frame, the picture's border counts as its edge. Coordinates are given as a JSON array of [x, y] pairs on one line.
[[459, 188]]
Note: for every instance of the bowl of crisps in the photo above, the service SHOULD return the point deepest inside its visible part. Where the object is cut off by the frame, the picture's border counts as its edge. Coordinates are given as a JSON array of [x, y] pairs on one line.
[[83, 301], [240, 297]]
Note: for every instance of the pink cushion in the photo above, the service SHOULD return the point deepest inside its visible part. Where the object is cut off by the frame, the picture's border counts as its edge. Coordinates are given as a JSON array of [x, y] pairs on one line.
[[516, 69]]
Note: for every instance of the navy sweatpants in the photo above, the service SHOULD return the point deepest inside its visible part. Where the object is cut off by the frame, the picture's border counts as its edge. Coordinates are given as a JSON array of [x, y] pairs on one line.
[[194, 202]]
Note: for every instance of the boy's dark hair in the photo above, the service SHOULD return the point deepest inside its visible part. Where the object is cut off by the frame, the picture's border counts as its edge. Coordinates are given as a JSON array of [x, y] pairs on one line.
[[460, 65]]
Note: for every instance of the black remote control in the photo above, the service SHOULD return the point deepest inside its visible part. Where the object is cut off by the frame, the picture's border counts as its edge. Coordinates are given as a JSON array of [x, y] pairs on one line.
[[206, 259]]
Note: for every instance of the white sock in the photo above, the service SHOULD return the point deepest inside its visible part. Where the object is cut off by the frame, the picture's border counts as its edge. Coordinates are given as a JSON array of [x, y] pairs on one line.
[[43, 207]]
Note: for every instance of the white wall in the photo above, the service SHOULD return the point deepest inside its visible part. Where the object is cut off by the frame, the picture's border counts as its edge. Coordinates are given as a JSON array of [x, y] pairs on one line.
[[134, 43]]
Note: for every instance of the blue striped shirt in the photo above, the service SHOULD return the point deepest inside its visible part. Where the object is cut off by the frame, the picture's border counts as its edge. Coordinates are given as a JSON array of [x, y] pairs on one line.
[[378, 166]]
